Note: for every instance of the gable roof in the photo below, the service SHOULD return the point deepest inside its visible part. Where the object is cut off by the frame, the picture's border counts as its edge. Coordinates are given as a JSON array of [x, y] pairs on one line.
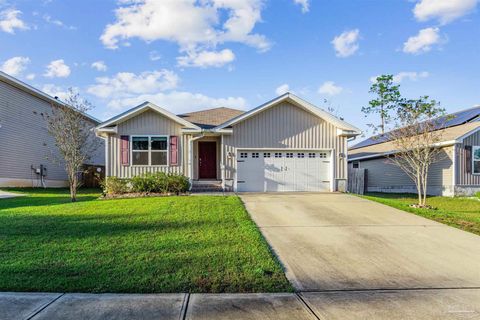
[[450, 136], [37, 93], [141, 108], [210, 118], [289, 97], [454, 119]]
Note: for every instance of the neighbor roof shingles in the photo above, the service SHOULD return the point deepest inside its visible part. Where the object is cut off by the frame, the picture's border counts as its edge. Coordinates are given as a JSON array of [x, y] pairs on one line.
[[380, 149], [210, 118]]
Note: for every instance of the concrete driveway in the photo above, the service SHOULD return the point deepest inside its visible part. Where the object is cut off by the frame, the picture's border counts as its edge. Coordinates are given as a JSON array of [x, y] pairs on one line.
[[341, 247]]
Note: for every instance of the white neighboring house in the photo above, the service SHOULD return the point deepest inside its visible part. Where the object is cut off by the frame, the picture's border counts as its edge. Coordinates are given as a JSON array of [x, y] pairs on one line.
[[456, 173], [286, 144], [25, 141]]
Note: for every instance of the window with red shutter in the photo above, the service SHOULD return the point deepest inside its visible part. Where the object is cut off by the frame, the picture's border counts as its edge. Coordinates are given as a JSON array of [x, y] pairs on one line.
[[124, 150], [173, 150]]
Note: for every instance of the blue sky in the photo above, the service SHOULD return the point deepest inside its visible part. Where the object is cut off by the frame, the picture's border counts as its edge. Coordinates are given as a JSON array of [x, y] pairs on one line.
[[187, 55]]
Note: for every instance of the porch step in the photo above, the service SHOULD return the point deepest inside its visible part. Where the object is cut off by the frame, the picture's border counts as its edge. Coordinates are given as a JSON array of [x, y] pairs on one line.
[[207, 186]]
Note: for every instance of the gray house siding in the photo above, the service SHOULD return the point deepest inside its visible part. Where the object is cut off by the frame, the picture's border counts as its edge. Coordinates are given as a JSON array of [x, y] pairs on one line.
[[146, 123], [383, 176], [467, 182], [25, 141], [284, 126]]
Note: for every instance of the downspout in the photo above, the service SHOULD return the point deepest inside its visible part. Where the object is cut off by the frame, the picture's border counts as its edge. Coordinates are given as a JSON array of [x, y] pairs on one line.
[[222, 163], [190, 158]]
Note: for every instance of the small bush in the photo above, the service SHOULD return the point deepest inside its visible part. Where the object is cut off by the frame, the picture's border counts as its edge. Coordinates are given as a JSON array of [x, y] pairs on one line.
[[477, 195], [150, 182], [114, 185], [158, 182], [178, 183]]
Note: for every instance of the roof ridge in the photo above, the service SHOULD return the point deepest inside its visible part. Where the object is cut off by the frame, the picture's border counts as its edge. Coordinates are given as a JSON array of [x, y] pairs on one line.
[[210, 109]]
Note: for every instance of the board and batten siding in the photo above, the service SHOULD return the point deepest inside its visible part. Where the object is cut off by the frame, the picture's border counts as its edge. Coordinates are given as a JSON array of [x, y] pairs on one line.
[[384, 176], [284, 126], [464, 178], [25, 140], [146, 123]]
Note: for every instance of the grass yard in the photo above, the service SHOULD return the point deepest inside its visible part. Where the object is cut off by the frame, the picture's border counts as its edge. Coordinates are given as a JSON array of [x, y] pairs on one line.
[[172, 244], [459, 212]]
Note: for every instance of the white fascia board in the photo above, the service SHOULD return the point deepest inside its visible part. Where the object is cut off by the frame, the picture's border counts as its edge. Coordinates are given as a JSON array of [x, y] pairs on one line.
[[300, 103], [40, 94], [461, 138], [139, 109]]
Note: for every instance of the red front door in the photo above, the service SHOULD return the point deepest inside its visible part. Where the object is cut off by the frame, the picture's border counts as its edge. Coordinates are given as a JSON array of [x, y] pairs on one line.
[[207, 160]]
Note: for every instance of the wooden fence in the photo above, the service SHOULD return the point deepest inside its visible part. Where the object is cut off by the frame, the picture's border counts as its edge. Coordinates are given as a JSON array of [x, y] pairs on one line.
[[357, 180]]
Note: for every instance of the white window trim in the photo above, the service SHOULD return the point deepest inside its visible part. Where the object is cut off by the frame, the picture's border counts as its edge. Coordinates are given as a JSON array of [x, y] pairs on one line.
[[149, 150], [473, 160]]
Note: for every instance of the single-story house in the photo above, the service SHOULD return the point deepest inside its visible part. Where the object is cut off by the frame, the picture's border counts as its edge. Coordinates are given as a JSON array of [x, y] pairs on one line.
[[457, 172], [25, 141], [286, 144]]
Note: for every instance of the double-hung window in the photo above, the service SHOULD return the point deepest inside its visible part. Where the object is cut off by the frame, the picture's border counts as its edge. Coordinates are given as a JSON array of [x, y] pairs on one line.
[[149, 151], [476, 159]]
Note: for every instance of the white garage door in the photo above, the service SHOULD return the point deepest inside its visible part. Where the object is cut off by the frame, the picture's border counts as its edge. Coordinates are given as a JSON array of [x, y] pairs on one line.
[[280, 171]]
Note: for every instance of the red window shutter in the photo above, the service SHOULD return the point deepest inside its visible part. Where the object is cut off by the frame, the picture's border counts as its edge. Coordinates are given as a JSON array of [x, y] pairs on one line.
[[468, 159], [173, 150], [124, 150]]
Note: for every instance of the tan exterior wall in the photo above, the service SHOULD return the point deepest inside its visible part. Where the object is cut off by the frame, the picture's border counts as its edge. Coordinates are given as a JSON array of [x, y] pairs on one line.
[[383, 176], [146, 123], [462, 177], [283, 126]]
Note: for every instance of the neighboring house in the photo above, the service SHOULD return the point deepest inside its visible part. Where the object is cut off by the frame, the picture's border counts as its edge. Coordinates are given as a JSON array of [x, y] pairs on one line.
[[25, 142], [286, 144], [457, 172]]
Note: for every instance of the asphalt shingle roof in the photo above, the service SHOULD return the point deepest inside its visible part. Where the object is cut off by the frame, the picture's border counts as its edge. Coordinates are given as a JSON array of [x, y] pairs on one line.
[[210, 118]]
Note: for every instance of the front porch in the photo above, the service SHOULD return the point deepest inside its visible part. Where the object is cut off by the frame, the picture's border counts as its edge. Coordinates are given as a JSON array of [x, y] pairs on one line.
[[206, 175]]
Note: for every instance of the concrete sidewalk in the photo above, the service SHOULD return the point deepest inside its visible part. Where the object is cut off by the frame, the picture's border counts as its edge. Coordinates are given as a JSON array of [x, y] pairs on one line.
[[388, 304], [7, 195]]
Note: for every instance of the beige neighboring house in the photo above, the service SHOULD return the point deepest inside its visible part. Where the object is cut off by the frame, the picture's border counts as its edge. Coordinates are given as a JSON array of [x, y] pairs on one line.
[[25, 141], [456, 173], [286, 144]]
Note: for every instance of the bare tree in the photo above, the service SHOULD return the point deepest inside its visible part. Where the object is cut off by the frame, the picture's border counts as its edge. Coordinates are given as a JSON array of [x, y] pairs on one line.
[[417, 137], [73, 135]]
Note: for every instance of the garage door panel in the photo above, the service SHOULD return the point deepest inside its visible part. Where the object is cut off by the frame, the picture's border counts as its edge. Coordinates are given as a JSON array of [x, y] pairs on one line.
[[282, 171]]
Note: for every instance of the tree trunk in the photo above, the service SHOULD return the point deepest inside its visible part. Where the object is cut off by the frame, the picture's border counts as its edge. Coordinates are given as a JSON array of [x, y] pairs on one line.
[[73, 188]]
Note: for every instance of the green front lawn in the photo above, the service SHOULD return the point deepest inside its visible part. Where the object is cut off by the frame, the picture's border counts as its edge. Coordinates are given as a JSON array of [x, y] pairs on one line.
[[462, 213], [172, 244]]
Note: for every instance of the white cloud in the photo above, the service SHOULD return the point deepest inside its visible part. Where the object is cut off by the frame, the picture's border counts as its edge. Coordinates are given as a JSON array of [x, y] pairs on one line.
[[57, 69], [99, 65], [405, 75], [346, 44], [57, 91], [284, 88], [305, 4], [57, 22], [15, 66], [423, 41], [410, 75], [178, 101], [444, 10], [30, 76], [330, 88], [194, 25], [10, 20], [126, 84], [154, 55], [206, 59]]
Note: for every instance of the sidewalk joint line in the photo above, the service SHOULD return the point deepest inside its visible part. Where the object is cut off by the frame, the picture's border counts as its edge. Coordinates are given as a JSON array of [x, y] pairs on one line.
[[36, 312], [306, 305], [183, 311]]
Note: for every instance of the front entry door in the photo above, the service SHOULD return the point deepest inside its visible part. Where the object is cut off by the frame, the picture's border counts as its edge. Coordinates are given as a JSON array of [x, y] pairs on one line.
[[207, 160]]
